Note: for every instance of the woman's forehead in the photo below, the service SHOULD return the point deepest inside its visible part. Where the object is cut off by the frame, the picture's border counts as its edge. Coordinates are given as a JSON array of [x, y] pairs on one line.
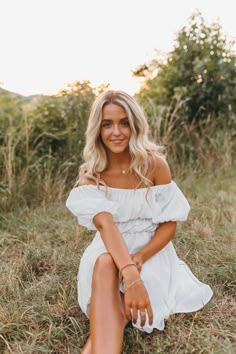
[[112, 110]]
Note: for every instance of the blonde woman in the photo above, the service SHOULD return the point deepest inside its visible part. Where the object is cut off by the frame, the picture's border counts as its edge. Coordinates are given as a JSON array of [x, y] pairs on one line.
[[130, 271]]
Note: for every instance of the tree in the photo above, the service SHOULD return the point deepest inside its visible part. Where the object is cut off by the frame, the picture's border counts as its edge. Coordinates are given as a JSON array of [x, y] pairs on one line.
[[200, 71], [58, 123]]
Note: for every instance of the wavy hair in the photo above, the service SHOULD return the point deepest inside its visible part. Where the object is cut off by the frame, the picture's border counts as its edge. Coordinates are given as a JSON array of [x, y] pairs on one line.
[[141, 149]]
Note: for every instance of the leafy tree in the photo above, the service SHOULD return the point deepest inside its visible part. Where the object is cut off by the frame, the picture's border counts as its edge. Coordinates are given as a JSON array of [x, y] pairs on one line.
[[58, 123], [200, 71], [41, 140]]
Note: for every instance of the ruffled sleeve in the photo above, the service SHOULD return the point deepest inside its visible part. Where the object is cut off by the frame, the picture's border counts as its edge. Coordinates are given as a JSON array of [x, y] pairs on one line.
[[87, 201], [169, 204]]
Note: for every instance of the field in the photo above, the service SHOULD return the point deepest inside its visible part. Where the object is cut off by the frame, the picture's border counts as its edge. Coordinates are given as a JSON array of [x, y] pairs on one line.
[[40, 249]]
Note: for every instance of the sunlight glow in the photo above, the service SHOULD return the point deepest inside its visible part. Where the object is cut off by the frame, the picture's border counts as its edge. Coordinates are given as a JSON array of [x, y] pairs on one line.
[[47, 44]]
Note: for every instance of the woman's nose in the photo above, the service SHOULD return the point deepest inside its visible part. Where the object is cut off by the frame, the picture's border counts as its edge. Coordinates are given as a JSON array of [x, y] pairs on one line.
[[116, 129]]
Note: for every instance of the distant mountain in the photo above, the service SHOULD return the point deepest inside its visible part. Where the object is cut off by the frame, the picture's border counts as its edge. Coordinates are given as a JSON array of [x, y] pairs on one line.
[[28, 102], [9, 93], [17, 95]]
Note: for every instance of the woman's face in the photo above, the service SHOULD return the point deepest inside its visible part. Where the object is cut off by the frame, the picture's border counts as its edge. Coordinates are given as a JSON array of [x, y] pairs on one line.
[[115, 128]]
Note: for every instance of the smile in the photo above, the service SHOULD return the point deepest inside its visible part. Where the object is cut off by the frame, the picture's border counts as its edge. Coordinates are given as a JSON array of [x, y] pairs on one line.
[[117, 141]]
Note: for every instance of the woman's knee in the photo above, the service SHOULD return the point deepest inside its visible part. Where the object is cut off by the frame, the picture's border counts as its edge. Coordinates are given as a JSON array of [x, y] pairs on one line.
[[105, 264]]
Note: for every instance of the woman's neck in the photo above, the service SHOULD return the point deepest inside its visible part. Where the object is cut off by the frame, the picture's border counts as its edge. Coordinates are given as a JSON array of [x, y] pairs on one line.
[[118, 162]]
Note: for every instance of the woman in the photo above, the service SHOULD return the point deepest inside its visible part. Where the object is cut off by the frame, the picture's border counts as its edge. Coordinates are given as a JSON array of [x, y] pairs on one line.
[[130, 271]]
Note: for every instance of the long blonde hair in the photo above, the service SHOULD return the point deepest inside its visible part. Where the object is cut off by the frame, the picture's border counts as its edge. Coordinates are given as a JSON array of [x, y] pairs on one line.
[[141, 149]]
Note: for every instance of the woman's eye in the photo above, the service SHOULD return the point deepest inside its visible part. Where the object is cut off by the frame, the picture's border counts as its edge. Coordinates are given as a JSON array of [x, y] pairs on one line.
[[106, 125], [125, 124]]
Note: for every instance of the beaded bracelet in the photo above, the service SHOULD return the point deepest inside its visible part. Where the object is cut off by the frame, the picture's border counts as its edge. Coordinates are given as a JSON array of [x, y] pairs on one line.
[[130, 285], [124, 266]]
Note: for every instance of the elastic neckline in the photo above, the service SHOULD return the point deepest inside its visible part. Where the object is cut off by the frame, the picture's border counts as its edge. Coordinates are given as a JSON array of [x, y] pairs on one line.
[[127, 189]]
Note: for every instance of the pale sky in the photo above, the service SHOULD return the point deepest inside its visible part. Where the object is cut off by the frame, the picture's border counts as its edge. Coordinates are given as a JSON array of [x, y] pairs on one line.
[[46, 44]]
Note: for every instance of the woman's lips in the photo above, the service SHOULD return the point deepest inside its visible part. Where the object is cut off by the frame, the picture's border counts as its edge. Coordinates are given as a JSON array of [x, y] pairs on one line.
[[117, 141]]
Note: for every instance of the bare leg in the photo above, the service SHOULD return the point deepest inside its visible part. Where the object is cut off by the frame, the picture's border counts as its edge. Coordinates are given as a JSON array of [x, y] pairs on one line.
[[107, 318], [87, 349]]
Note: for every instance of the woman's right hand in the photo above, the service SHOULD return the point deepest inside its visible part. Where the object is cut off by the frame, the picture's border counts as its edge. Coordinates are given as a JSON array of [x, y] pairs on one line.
[[136, 299], [137, 258]]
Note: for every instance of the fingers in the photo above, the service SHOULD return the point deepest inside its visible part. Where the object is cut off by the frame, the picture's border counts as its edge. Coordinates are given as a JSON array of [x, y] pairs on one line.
[[136, 302], [144, 314], [131, 314], [142, 317], [134, 314], [150, 314], [128, 313]]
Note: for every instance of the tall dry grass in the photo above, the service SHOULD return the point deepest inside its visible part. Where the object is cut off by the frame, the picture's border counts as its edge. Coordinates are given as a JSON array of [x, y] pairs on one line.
[[198, 145], [26, 178], [30, 177]]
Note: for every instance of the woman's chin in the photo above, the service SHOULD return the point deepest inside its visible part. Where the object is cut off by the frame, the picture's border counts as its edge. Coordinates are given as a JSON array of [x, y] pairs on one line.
[[118, 150]]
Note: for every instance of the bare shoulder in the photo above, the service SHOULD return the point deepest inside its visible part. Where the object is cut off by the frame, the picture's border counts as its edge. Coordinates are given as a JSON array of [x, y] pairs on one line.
[[84, 180], [160, 171]]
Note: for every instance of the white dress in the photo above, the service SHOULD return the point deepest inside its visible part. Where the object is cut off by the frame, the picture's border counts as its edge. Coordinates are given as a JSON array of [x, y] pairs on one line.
[[171, 286]]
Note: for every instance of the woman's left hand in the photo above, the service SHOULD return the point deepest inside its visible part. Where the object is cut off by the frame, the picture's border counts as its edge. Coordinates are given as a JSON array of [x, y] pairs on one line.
[[138, 260]]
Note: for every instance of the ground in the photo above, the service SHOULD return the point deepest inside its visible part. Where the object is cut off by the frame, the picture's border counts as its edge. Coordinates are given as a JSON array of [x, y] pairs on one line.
[[40, 250]]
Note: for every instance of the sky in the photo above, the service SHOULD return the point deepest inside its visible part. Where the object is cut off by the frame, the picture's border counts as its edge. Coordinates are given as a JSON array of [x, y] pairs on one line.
[[46, 44]]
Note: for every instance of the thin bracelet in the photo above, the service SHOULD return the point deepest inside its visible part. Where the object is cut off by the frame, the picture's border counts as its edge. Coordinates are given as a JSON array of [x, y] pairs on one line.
[[124, 266], [130, 285]]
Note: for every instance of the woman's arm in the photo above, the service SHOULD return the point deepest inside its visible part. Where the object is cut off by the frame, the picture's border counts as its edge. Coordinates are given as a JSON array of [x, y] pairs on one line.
[[112, 238], [165, 231], [136, 297], [115, 244], [161, 238]]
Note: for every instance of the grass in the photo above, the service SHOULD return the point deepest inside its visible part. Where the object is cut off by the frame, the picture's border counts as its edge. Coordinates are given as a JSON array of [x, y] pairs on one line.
[[40, 250]]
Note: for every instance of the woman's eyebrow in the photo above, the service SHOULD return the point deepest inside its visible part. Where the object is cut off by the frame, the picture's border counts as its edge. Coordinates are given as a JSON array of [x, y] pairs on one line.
[[110, 120]]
